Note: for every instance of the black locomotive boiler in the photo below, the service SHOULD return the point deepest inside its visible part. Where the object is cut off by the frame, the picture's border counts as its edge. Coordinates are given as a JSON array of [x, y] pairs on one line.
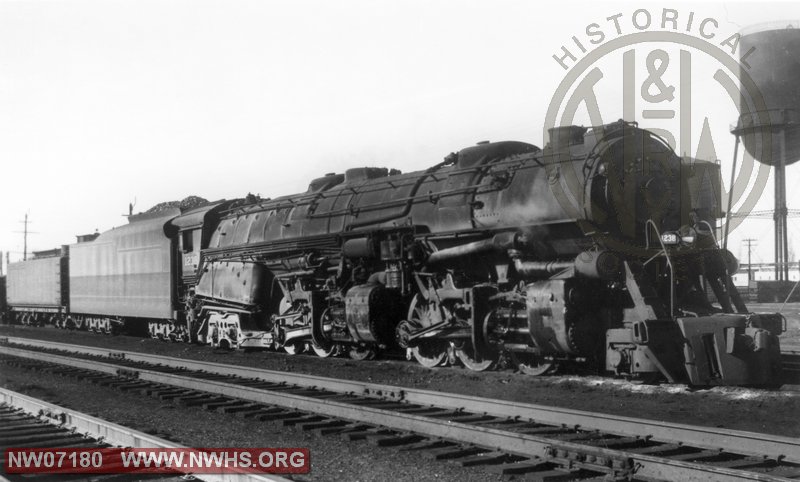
[[598, 249]]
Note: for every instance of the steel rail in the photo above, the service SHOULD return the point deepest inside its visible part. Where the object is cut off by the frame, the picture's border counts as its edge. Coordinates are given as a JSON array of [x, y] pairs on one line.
[[712, 438], [646, 466], [111, 433]]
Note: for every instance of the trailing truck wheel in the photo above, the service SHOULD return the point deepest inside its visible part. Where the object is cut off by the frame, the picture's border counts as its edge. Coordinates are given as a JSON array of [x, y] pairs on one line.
[[192, 334], [194, 325], [362, 353]]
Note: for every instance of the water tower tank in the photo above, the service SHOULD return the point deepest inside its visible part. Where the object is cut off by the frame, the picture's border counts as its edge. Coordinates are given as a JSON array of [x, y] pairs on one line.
[[775, 70]]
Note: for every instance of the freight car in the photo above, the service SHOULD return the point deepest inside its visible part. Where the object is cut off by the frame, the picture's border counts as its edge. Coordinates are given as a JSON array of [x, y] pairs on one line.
[[37, 289]]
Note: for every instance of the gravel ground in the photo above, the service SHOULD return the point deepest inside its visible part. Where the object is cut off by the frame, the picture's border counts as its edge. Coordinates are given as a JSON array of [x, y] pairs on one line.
[[332, 458], [764, 411]]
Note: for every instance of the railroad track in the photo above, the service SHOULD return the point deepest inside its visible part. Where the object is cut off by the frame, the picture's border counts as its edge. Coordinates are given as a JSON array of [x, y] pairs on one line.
[[31, 423], [502, 436]]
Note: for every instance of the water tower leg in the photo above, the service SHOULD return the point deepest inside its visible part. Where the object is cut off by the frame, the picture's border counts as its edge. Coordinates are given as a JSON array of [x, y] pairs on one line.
[[781, 214]]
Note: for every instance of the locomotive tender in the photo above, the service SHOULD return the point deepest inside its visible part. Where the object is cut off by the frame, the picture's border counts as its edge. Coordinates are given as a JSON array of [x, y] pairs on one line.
[[598, 249]]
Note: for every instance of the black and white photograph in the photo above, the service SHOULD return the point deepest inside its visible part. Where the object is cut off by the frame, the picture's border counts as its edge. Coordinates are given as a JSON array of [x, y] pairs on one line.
[[466, 241]]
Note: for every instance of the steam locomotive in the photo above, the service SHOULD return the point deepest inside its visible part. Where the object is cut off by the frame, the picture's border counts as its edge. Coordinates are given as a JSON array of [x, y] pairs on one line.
[[599, 249]]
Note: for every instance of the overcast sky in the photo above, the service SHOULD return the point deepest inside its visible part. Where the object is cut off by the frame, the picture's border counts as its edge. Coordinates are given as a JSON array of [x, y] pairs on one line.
[[107, 102]]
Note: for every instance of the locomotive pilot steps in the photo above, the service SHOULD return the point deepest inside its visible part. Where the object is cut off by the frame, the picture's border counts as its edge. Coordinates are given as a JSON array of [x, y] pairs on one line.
[[599, 249]]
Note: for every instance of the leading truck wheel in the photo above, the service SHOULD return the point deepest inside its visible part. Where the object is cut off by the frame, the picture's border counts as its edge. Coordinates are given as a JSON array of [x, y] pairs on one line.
[[324, 352], [431, 354], [531, 363], [295, 348], [468, 358]]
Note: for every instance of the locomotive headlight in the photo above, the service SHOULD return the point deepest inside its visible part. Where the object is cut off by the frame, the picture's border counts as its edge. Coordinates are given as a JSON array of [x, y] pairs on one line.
[[670, 238], [688, 234]]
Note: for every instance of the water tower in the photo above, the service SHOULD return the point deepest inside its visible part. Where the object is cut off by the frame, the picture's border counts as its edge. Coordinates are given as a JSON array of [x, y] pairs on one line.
[[769, 123]]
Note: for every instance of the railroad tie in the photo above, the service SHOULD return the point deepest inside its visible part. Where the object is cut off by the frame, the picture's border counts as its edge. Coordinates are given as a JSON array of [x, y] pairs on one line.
[[739, 463], [343, 429], [238, 409], [425, 411], [455, 452], [426, 445], [581, 436], [133, 386], [394, 440], [12, 417], [290, 422], [196, 400], [253, 412], [694, 456], [656, 449], [277, 414], [7, 430], [555, 475], [505, 424], [44, 440], [615, 442], [487, 458], [173, 394], [231, 402], [547, 430], [323, 424], [364, 434], [788, 472], [326, 395], [473, 419], [119, 383], [214, 403], [518, 468]]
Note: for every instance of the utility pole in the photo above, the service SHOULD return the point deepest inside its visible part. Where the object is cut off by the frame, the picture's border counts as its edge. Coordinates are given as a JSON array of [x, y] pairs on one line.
[[25, 242], [25, 233], [751, 242]]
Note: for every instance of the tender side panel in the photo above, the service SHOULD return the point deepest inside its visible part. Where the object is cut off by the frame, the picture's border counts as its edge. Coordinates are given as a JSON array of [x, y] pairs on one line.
[[125, 272], [36, 282]]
